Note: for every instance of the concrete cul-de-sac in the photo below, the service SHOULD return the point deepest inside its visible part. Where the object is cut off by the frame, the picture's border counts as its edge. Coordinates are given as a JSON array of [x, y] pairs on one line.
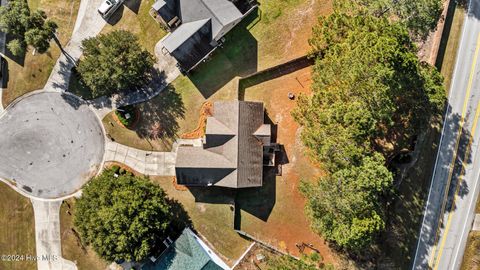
[[51, 144]]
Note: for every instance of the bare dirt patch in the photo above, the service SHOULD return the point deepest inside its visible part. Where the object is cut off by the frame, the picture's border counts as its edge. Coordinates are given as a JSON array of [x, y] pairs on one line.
[[287, 224]]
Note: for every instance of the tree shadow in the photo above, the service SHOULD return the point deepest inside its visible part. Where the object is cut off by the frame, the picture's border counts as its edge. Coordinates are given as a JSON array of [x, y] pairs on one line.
[[238, 56], [408, 208], [159, 116], [180, 219]]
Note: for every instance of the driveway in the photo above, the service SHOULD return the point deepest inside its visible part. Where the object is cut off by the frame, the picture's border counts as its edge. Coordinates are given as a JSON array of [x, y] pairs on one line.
[[47, 236], [144, 162], [50, 145]]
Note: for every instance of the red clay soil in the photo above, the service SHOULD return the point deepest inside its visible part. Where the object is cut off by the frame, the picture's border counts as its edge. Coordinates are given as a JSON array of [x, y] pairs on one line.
[[205, 111], [288, 225], [177, 186]]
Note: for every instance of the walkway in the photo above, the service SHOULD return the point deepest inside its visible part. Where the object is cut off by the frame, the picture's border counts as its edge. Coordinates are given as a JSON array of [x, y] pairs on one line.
[[47, 236], [144, 162]]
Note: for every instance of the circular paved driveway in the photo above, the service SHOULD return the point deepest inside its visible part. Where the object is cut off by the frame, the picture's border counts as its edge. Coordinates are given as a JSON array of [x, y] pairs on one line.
[[50, 144]]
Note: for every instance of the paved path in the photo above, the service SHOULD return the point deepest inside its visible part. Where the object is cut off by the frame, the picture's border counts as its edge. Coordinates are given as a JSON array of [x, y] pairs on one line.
[[89, 23], [449, 211], [47, 236], [145, 162]]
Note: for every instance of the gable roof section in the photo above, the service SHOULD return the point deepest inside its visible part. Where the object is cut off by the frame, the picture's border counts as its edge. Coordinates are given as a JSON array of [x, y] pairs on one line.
[[230, 134], [182, 34]]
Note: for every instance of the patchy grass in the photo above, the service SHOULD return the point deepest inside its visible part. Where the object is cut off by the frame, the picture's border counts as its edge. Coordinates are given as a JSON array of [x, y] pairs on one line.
[[400, 238], [450, 42], [32, 73], [176, 109], [275, 33], [17, 233], [211, 215], [275, 212], [72, 248], [471, 257], [256, 43], [135, 19]]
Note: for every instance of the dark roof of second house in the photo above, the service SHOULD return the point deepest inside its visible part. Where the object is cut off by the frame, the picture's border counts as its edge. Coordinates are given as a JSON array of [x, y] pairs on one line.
[[201, 24], [232, 155]]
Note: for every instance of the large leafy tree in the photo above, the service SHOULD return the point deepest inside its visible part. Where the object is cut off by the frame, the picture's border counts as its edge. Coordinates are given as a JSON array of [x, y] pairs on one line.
[[122, 217], [114, 62], [369, 88], [41, 31], [346, 206], [25, 27], [420, 16]]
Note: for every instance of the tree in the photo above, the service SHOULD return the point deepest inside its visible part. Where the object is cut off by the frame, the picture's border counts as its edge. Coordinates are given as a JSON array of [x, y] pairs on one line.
[[41, 31], [27, 28], [346, 206], [114, 62], [122, 217], [368, 81], [369, 88], [15, 17], [420, 16], [16, 47]]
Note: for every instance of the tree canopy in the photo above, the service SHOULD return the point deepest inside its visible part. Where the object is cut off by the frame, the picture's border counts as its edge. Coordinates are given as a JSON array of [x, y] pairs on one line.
[[25, 27], [114, 62], [122, 217], [420, 16], [369, 88]]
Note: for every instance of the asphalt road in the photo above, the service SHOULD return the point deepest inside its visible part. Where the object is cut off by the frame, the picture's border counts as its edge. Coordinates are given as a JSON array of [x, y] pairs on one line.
[[455, 185], [50, 144]]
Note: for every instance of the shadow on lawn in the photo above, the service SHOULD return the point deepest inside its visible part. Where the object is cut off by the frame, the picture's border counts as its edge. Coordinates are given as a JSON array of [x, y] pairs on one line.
[[180, 219], [238, 56], [159, 117]]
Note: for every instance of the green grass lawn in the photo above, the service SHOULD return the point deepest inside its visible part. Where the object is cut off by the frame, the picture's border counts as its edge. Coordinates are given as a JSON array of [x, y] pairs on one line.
[[72, 248], [17, 233], [176, 109], [33, 73], [211, 215], [270, 36], [136, 20]]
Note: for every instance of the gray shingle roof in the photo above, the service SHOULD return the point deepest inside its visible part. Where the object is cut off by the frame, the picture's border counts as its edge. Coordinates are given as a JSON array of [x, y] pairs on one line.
[[182, 34], [232, 155], [219, 12]]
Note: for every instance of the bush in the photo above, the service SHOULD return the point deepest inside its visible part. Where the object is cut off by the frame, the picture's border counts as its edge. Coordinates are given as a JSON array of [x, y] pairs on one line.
[[122, 112]]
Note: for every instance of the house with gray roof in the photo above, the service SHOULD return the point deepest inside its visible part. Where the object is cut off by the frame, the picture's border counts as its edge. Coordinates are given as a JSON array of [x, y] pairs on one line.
[[232, 154], [188, 252], [197, 26]]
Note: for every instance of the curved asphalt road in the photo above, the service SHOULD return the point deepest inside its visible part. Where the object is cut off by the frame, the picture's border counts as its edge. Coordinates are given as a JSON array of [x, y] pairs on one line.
[[50, 145], [455, 186]]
